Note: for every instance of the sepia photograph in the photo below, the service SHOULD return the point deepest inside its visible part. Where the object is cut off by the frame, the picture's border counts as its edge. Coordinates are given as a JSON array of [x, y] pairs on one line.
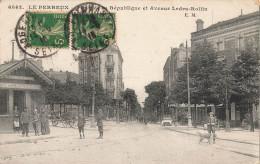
[[129, 82]]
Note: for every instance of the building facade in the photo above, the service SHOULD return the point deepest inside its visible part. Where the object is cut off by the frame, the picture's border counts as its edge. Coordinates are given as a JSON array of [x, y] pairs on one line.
[[228, 38], [105, 67], [63, 77], [23, 84], [176, 60]]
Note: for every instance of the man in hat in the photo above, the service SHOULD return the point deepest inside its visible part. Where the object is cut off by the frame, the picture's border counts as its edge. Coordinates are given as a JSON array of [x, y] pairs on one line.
[[25, 120], [211, 123], [99, 118]]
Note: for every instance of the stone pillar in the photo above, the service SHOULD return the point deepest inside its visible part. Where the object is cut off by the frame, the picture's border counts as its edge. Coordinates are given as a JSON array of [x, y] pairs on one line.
[[196, 113], [11, 102], [237, 115], [28, 101], [213, 109], [233, 112]]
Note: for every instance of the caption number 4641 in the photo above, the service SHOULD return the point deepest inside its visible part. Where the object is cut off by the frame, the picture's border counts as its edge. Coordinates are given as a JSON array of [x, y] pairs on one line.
[[190, 15], [15, 7]]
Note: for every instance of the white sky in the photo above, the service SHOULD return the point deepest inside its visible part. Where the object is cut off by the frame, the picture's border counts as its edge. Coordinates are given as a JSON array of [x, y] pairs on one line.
[[144, 37]]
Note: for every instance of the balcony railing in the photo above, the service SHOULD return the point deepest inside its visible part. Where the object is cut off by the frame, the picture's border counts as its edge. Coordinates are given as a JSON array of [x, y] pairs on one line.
[[110, 63], [110, 75]]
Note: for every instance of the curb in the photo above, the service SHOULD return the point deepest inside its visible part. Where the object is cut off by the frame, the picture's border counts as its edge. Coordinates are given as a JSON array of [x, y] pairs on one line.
[[230, 140]]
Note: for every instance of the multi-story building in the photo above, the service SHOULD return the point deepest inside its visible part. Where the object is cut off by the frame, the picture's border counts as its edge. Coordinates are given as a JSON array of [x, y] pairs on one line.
[[229, 37], [174, 61], [63, 77], [105, 67]]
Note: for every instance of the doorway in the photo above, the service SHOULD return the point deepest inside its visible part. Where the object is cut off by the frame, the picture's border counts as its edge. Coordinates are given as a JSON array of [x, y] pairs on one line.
[[19, 100]]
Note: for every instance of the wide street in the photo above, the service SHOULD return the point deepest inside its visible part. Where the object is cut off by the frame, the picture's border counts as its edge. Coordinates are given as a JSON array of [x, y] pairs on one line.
[[126, 143]]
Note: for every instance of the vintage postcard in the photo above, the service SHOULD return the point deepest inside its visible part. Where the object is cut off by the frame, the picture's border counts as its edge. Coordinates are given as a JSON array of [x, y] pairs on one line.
[[129, 81]]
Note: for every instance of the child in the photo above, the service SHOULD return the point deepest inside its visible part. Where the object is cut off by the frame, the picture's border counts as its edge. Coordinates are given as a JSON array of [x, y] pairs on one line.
[[36, 122], [16, 119], [81, 123]]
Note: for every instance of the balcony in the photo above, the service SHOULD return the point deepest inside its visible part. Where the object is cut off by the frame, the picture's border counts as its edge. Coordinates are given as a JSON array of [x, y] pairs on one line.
[[110, 76], [110, 88], [110, 63]]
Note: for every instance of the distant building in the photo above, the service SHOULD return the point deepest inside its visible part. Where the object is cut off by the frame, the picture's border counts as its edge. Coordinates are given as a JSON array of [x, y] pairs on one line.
[[23, 84], [230, 36], [63, 77], [108, 69], [174, 61]]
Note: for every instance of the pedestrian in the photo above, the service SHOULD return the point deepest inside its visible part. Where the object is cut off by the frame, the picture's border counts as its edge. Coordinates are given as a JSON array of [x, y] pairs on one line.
[[36, 118], [145, 119], [211, 125], [44, 122], [25, 120], [99, 118], [81, 124], [16, 122], [47, 122]]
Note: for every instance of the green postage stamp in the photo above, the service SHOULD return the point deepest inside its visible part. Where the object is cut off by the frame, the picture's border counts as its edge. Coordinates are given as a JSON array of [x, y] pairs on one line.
[[46, 29], [92, 31]]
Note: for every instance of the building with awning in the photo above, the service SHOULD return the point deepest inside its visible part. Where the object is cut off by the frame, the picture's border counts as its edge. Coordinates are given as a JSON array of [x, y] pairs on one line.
[[23, 84]]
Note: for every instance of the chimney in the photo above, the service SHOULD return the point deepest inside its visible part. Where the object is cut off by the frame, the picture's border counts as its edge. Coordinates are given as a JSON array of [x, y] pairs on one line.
[[39, 64], [13, 50], [199, 24]]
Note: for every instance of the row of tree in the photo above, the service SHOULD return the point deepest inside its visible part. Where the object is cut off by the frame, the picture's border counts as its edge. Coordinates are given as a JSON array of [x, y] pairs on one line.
[[155, 102], [214, 81], [71, 93]]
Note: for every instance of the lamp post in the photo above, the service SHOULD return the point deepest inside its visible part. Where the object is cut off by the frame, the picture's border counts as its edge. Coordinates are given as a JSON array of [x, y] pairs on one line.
[[93, 67], [226, 101], [188, 87]]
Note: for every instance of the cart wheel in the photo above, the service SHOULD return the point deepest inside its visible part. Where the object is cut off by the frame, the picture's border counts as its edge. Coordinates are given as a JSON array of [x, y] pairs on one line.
[[73, 123], [65, 124], [54, 122]]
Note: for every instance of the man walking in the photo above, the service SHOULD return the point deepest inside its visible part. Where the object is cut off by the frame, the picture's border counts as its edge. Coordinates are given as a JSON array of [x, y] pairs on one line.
[[99, 118], [25, 120], [211, 123]]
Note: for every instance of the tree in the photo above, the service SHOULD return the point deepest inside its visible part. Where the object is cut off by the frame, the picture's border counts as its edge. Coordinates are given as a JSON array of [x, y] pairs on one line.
[[245, 70], [156, 91], [131, 102]]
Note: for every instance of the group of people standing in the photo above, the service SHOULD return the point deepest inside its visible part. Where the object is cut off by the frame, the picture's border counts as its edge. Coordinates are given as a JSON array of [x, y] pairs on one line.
[[81, 123], [22, 121]]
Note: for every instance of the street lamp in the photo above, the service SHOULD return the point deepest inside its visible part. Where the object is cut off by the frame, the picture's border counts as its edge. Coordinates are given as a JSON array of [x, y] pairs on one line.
[[188, 87], [93, 67], [226, 101]]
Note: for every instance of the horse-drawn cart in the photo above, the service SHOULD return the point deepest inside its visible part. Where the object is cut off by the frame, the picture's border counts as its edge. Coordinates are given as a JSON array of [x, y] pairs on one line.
[[66, 119]]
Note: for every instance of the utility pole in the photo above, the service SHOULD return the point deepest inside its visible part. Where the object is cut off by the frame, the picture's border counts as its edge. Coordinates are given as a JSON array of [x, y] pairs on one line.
[[93, 67], [227, 111], [188, 87]]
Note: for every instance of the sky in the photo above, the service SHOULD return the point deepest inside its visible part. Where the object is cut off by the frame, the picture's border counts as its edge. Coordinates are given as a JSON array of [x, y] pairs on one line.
[[144, 37]]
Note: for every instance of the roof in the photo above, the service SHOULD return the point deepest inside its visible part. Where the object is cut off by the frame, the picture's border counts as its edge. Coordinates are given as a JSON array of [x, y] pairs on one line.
[[225, 24], [9, 67]]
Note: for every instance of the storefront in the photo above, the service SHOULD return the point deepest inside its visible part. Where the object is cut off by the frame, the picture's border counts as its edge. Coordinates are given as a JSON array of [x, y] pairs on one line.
[[23, 84]]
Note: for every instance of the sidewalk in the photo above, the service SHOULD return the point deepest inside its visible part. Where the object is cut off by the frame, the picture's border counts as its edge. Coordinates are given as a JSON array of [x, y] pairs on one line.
[[9, 137], [235, 135]]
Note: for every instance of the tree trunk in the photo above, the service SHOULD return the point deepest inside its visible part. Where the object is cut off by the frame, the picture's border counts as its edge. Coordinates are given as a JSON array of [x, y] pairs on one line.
[[60, 109], [206, 111], [252, 120]]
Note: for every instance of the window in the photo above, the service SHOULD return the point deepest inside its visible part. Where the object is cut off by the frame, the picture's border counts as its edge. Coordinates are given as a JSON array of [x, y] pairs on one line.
[[110, 58], [3, 102], [110, 70], [110, 83]]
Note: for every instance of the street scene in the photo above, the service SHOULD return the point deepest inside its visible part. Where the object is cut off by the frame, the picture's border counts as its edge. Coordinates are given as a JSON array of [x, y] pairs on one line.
[[90, 83], [130, 143]]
